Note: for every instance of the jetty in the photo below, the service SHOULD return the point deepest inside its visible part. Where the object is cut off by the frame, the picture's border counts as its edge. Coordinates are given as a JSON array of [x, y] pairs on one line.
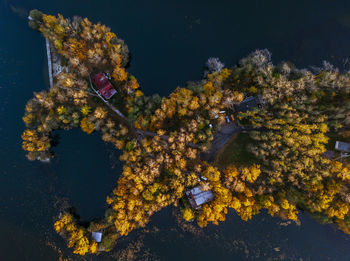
[[49, 61]]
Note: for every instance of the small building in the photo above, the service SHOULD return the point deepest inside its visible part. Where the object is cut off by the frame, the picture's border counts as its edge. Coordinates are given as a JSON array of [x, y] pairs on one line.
[[97, 236], [104, 87], [198, 197], [342, 146], [249, 103]]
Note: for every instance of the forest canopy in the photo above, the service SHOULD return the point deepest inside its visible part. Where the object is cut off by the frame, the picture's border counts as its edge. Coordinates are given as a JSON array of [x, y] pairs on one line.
[[163, 139]]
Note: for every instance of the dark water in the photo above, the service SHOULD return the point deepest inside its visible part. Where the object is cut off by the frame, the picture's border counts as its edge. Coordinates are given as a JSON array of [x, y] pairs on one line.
[[169, 42]]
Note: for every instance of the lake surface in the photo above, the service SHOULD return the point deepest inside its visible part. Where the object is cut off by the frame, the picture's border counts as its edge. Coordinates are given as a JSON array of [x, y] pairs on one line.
[[169, 42]]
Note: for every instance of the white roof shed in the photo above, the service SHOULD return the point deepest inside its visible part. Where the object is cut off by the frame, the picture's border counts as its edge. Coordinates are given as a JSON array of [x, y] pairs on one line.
[[97, 236], [342, 146]]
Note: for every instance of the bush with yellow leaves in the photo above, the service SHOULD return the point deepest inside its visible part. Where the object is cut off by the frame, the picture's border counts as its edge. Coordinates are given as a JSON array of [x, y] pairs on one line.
[[87, 126]]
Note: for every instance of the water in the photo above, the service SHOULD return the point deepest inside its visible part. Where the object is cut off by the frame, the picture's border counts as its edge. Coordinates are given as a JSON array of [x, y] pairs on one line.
[[169, 43]]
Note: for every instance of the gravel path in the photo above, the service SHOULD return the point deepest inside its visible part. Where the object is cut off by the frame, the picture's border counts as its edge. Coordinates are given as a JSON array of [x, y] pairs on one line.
[[221, 138]]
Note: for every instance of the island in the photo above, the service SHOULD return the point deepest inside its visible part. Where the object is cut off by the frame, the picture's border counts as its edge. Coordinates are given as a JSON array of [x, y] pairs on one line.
[[253, 137]]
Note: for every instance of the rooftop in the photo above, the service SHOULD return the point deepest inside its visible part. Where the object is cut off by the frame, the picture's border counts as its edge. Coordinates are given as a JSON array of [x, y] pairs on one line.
[[104, 87], [198, 197], [249, 103], [100, 80], [108, 91], [342, 146], [97, 236]]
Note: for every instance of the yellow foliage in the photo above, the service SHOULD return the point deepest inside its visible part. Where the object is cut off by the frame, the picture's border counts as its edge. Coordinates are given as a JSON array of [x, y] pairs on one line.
[[87, 126], [58, 45], [188, 214], [251, 174], [58, 225], [182, 112], [231, 172], [208, 88], [85, 110], [93, 247], [82, 246], [292, 213], [109, 200], [225, 73], [109, 36], [194, 104], [147, 195], [284, 204], [59, 30], [119, 74], [28, 118], [235, 204], [212, 173], [138, 93], [119, 144], [50, 20], [61, 110], [100, 113], [32, 141], [77, 48], [342, 225], [273, 209], [133, 84], [253, 90]]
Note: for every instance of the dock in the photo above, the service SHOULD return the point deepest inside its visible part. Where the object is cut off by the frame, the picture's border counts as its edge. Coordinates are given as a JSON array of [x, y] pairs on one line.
[[49, 61]]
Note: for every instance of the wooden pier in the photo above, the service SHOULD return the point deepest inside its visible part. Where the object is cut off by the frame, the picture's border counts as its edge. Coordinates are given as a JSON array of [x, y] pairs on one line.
[[49, 61]]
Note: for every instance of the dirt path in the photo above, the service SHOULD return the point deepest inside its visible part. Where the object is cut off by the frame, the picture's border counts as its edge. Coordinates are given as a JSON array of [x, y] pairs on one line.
[[221, 138]]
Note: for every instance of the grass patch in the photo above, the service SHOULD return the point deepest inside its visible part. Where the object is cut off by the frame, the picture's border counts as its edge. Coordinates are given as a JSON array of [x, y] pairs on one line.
[[333, 137], [235, 152]]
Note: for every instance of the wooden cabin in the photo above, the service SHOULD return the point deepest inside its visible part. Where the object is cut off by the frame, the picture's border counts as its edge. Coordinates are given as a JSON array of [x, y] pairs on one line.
[[103, 86], [198, 197]]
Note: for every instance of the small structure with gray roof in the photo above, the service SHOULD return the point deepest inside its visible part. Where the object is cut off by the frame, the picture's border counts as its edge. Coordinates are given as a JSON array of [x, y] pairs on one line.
[[97, 236], [342, 146], [198, 197]]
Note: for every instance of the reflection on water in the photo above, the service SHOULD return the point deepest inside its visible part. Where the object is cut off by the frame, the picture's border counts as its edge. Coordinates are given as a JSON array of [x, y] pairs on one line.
[[169, 41]]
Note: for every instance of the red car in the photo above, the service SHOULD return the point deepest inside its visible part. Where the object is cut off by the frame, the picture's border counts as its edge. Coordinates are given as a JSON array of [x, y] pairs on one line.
[[104, 87]]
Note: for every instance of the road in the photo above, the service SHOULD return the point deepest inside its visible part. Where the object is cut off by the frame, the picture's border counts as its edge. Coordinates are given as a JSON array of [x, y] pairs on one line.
[[221, 138]]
